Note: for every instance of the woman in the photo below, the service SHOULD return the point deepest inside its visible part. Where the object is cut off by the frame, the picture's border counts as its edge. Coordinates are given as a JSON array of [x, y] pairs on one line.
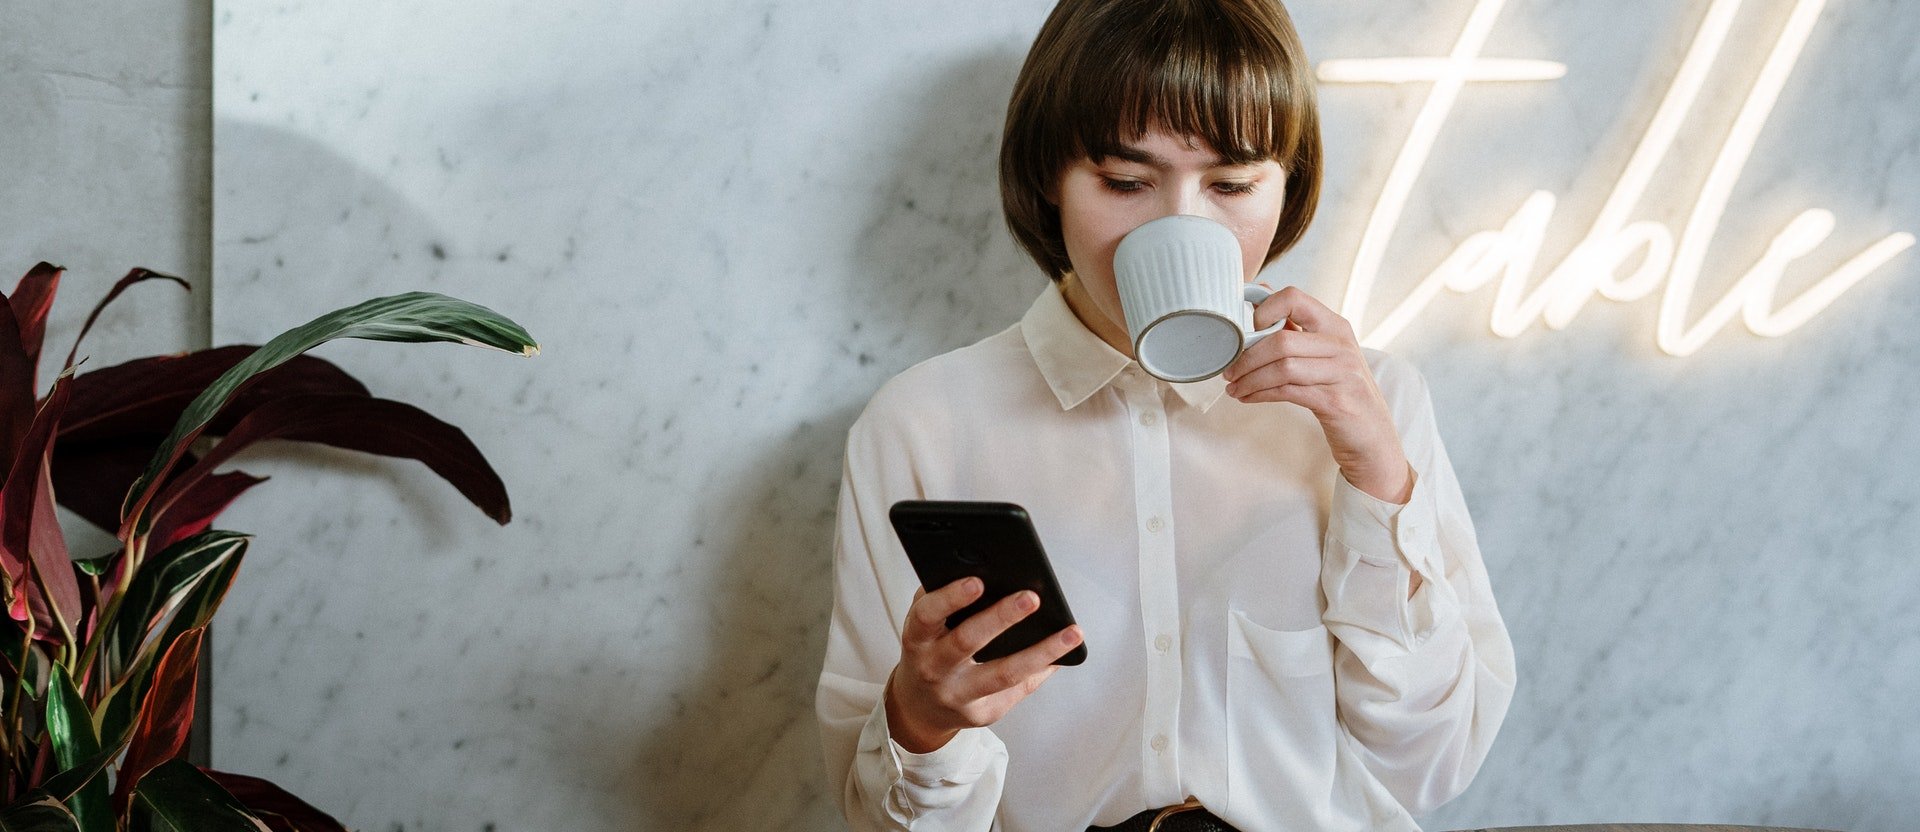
[[1288, 621]]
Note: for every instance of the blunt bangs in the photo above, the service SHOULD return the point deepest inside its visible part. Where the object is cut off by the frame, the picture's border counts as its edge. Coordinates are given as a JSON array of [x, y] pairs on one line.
[[1194, 71], [1104, 72]]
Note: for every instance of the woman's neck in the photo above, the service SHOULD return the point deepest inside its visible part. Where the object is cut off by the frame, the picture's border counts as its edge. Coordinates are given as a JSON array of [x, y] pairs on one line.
[[1096, 321]]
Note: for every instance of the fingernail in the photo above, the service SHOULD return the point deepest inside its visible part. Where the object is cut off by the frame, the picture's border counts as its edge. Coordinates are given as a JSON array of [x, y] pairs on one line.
[[1028, 601], [1073, 635], [972, 585]]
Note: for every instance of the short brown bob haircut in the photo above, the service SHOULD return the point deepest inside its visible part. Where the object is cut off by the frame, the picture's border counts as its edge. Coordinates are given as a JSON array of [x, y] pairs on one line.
[[1102, 72]]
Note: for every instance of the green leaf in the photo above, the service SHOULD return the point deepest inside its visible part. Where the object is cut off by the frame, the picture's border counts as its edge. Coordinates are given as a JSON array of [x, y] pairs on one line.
[[119, 714], [411, 317], [183, 798], [66, 784], [97, 566], [70, 727], [69, 723], [161, 581], [37, 813]]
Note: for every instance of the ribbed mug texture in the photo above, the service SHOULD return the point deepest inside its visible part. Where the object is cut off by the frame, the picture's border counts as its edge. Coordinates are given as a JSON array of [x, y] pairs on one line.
[[1179, 264], [1177, 275]]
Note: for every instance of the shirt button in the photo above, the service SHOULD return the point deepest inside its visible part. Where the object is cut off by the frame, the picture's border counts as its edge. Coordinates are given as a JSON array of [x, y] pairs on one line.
[[1148, 419], [1163, 643], [1159, 742], [1154, 524]]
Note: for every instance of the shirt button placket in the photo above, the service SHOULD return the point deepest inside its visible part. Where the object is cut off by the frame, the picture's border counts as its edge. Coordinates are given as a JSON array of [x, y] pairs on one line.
[[1159, 587]]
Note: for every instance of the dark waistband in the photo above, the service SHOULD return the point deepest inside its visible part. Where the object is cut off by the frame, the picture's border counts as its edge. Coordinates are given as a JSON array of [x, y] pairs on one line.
[[1195, 820]]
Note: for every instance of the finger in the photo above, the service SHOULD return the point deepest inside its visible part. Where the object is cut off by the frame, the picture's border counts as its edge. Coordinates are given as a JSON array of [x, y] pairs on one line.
[[974, 633], [1319, 398], [1004, 701], [927, 618], [1295, 305], [1018, 671], [1286, 343], [1295, 369]]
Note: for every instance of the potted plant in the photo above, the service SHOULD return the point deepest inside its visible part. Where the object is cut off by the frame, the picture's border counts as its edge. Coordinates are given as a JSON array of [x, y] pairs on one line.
[[99, 656]]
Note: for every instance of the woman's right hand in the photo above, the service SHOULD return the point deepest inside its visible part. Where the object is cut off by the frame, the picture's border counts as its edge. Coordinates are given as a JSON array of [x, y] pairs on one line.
[[937, 689]]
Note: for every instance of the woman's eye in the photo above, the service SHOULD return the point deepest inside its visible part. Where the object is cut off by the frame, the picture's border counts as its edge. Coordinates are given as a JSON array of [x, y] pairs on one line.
[[1233, 188], [1124, 186]]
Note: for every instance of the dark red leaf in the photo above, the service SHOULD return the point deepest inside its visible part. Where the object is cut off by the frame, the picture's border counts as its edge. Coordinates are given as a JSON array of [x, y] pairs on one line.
[[120, 413], [21, 532], [32, 298], [199, 506], [165, 715], [134, 276], [29, 600], [265, 799], [49, 547], [91, 478], [359, 423], [16, 387], [144, 397]]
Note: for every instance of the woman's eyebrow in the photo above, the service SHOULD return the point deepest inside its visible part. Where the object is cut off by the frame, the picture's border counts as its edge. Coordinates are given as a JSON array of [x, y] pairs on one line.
[[1140, 156]]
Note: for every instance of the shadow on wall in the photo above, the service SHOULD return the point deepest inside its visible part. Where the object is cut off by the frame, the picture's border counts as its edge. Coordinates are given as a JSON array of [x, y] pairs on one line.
[[300, 225], [369, 232], [375, 242], [935, 271]]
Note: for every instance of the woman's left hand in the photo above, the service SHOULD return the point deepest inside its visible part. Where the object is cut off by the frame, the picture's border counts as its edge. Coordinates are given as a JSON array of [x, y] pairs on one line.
[[1316, 363]]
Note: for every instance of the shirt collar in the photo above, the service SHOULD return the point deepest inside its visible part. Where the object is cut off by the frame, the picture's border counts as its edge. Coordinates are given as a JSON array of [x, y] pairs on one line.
[[1077, 364]]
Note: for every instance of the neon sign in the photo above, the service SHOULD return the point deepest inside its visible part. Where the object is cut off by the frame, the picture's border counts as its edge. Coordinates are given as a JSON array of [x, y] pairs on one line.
[[1509, 254]]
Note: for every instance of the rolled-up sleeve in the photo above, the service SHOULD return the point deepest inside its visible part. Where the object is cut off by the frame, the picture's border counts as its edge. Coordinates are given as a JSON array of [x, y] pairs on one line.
[[880, 785], [1423, 683]]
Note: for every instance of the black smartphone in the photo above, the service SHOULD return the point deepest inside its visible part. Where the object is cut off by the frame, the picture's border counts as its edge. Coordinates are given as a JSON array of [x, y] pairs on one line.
[[948, 540]]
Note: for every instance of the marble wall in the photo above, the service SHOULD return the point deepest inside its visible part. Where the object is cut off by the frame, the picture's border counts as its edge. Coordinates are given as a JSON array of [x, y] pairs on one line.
[[729, 222], [106, 160]]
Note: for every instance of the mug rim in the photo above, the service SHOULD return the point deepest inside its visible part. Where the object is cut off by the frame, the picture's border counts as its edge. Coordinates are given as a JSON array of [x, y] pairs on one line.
[[1239, 344]]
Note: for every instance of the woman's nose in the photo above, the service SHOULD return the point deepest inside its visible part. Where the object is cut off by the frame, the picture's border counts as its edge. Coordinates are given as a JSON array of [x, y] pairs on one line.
[[1186, 200]]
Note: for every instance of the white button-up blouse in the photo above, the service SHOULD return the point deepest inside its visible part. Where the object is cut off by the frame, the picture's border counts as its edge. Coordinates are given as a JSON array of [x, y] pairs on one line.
[[1249, 633]]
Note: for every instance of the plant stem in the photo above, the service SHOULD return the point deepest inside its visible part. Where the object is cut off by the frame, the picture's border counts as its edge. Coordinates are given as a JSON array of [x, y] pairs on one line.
[[135, 549], [15, 741]]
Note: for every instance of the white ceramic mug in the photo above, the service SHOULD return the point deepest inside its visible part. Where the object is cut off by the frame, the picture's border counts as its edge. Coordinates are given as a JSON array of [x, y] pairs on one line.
[[1188, 309]]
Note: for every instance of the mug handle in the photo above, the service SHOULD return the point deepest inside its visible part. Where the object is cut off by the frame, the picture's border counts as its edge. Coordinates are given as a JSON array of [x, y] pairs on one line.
[[1254, 293]]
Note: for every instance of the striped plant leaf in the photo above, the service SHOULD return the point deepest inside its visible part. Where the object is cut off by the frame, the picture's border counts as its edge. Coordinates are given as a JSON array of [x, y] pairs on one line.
[[160, 730], [70, 728], [37, 813], [163, 582], [411, 317], [183, 798]]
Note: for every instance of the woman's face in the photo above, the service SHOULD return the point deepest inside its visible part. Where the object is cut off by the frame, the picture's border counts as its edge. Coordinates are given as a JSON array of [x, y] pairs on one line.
[[1157, 175]]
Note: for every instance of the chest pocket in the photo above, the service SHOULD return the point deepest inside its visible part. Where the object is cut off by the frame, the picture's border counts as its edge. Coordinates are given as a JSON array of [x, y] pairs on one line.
[[1282, 724]]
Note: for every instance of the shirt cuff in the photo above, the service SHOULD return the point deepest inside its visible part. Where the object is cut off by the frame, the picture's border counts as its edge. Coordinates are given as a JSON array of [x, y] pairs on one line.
[[918, 783], [1372, 548]]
